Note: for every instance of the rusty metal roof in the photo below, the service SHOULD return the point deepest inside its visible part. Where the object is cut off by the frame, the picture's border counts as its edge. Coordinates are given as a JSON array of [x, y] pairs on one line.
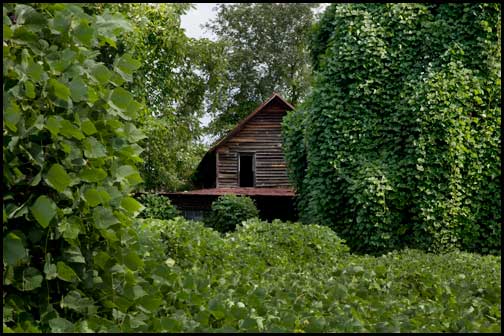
[[249, 191]]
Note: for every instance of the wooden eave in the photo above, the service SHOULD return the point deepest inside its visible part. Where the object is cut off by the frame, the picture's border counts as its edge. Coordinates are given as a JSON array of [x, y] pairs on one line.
[[242, 123]]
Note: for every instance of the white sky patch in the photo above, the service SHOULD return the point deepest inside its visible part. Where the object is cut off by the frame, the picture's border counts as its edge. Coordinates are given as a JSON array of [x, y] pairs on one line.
[[201, 13]]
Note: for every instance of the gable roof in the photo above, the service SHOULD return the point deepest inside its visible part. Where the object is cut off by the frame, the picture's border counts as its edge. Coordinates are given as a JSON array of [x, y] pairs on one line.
[[242, 123]]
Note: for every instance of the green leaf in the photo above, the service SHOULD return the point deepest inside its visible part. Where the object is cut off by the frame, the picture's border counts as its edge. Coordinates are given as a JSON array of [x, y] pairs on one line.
[[61, 325], [126, 66], [58, 178], [100, 73], [73, 254], [131, 205], [13, 249], [93, 149], [60, 90], [120, 99], [53, 124], [44, 209], [76, 301], [29, 89], [93, 174], [78, 89], [88, 127], [103, 217], [70, 227], [69, 130], [65, 272], [84, 34], [133, 261], [11, 115], [92, 197], [32, 279], [35, 71], [133, 134]]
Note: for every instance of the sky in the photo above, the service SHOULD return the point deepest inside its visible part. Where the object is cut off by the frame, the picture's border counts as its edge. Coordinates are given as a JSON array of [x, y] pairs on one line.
[[201, 14]]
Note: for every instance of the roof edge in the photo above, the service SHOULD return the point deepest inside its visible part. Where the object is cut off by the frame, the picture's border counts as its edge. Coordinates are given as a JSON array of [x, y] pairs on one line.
[[240, 125]]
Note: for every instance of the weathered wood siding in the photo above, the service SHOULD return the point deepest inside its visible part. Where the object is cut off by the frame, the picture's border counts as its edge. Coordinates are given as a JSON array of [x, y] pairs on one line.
[[260, 135]]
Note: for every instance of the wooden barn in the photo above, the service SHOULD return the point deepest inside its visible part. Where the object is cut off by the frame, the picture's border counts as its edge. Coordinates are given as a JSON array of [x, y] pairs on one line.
[[247, 161]]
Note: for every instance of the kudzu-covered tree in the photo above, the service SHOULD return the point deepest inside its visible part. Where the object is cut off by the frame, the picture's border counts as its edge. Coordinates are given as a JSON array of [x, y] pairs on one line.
[[398, 144]]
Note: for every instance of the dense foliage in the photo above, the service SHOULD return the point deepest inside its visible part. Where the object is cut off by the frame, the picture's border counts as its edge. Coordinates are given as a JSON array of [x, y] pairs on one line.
[[69, 154], [228, 211], [265, 51], [289, 277], [157, 206], [398, 144], [173, 81]]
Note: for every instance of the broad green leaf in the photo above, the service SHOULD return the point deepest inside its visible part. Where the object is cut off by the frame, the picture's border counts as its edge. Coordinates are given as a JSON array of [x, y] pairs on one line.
[[131, 205], [93, 174], [61, 325], [120, 99], [84, 34], [95, 197], [53, 124], [60, 90], [35, 71], [29, 89], [11, 115], [126, 66], [101, 259], [133, 134], [103, 217], [133, 261], [69, 130], [76, 301], [13, 249], [78, 89], [94, 149], [58, 178], [44, 209], [100, 73], [65, 272], [88, 127]]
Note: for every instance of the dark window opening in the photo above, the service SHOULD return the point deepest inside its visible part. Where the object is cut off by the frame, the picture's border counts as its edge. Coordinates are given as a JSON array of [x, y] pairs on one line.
[[247, 170]]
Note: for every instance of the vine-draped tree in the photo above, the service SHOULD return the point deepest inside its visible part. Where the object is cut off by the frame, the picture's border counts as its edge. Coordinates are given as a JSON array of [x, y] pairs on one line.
[[398, 144], [265, 51]]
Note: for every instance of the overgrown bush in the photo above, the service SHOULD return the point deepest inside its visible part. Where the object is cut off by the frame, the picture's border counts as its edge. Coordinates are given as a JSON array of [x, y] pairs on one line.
[[230, 210], [157, 206], [398, 144], [289, 277]]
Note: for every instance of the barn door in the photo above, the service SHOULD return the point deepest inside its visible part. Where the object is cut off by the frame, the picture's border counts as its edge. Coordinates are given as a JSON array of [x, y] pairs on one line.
[[246, 169]]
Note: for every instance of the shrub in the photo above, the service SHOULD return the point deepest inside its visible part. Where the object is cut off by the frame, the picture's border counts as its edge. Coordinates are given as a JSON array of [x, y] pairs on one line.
[[229, 211], [157, 206]]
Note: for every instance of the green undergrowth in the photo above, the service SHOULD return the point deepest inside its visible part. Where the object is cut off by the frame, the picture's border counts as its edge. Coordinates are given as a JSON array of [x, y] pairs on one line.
[[291, 277], [277, 277]]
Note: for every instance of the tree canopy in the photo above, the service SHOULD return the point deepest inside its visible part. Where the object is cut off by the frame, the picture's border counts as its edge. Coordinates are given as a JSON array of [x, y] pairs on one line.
[[265, 51]]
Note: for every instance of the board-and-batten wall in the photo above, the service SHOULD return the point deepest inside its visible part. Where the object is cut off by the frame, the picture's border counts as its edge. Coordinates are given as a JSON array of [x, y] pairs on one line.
[[260, 135]]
